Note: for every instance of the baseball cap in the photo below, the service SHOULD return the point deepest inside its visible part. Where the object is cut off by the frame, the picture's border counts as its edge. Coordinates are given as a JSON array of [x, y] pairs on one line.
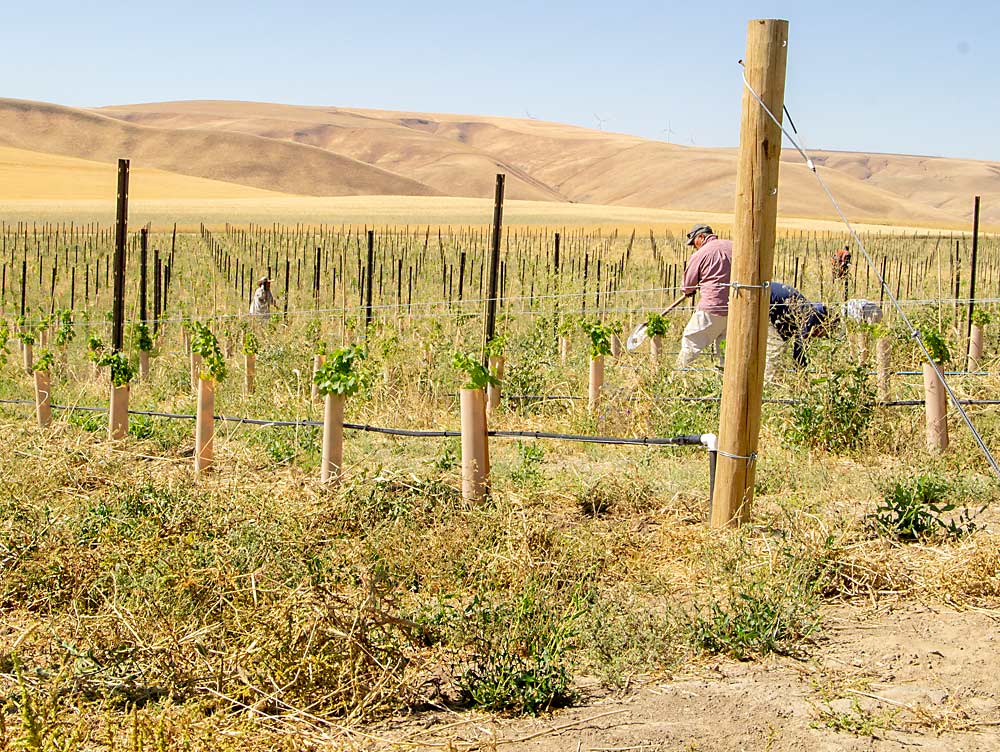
[[696, 231]]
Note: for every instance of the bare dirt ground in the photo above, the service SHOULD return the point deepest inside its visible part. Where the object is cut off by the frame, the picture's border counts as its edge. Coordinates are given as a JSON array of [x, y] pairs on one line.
[[900, 677]]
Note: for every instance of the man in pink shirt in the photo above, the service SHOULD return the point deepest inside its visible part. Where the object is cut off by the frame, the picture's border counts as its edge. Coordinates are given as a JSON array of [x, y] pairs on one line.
[[708, 271]]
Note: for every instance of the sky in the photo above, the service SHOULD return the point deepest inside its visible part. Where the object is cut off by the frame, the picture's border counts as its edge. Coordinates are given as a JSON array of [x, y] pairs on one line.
[[898, 77]]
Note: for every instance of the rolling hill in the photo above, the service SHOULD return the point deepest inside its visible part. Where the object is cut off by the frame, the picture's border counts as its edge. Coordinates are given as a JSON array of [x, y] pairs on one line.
[[332, 151]]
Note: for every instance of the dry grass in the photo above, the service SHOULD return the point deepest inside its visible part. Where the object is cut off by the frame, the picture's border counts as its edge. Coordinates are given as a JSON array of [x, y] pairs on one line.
[[252, 608], [31, 176], [361, 211]]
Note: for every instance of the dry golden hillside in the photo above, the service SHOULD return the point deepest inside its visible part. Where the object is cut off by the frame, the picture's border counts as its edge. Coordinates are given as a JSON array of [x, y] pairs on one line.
[[330, 151], [32, 175], [218, 155]]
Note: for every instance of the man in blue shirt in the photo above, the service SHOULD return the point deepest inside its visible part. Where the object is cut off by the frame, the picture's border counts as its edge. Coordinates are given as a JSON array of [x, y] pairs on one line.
[[794, 318]]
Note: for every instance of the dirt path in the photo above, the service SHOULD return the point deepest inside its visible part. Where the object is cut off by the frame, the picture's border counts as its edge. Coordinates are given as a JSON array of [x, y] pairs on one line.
[[895, 679]]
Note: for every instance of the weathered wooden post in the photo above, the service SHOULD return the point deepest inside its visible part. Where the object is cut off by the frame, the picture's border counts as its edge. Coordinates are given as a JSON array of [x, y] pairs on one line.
[[491, 295], [121, 236], [972, 274], [753, 261]]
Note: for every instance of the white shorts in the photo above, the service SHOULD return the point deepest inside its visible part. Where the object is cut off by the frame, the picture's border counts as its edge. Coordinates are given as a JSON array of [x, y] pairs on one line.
[[702, 331]]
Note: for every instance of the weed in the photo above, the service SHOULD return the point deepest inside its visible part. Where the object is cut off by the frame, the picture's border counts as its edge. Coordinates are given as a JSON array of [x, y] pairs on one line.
[[914, 509], [528, 471], [856, 720], [519, 664], [88, 420], [835, 413], [141, 427], [449, 458], [283, 444]]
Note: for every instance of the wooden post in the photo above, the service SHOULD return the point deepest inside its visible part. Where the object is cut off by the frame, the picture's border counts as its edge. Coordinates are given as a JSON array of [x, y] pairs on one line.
[[475, 452], [563, 350], [121, 235], [333, 438], [369, 277], [43, 398], [972, 276], [143, 365], [493, 392], [491, 295], [204, 430], [143, 272], [935, 403], [596, 382], [753, 261], [118, 413]]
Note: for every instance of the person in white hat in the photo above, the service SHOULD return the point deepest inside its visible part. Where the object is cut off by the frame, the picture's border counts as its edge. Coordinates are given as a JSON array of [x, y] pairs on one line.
[[708, 272], [260, 304]]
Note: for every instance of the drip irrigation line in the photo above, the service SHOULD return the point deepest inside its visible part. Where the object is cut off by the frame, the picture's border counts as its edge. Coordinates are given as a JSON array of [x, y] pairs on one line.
[[686, 440], [914, 333]]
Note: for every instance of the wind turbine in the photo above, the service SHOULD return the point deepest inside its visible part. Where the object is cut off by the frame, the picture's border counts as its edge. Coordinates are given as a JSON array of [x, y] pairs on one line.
[[669, 131], [600, 121]]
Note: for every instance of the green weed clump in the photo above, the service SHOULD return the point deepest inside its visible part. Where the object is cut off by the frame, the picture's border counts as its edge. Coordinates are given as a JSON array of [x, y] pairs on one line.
[[520, 659], [753, 621], [835, 413], [917, 508]]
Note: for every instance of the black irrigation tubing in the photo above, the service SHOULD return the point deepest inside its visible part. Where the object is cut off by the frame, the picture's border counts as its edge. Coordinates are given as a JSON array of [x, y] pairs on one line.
[[687, 440]]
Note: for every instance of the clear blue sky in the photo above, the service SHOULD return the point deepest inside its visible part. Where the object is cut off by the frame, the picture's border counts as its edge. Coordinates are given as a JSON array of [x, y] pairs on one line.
[[905, 77]]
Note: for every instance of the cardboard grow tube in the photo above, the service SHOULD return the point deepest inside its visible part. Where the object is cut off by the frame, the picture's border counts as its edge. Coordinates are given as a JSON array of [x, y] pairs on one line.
[[333, 438], [204, 430], [118, 413], [43, 398], [935, 403], [475, 452]]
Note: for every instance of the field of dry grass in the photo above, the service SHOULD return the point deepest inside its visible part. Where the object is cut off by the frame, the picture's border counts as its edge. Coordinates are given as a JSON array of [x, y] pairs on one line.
[[361, 211], [60, 182], [253, 608]]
